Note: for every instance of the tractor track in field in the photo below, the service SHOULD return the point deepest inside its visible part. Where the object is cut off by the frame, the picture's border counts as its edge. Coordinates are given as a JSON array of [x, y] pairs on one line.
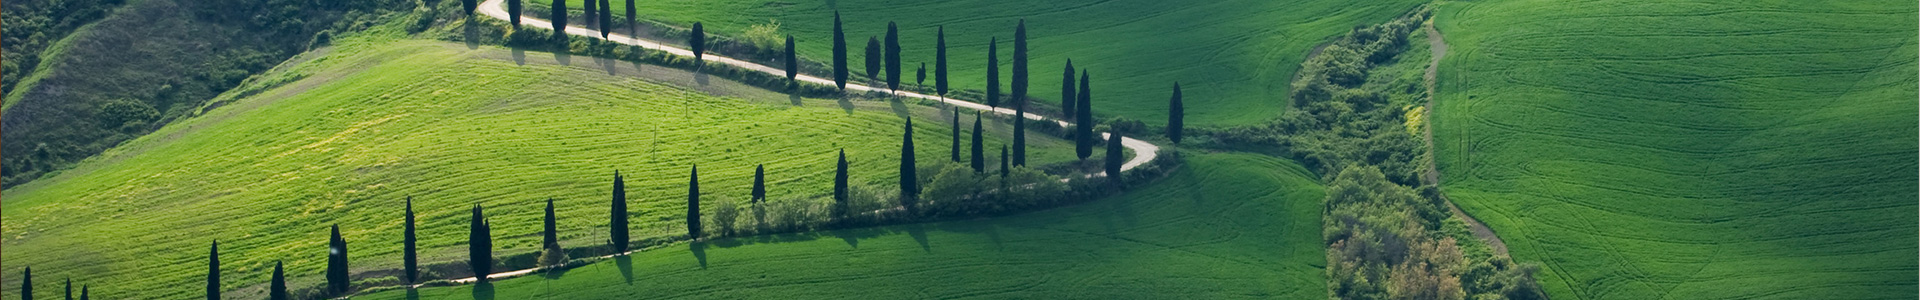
[[1480, 230]]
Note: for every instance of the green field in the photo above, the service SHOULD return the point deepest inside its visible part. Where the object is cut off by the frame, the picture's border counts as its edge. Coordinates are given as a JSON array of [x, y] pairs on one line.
[[1232, 58], [1688, 149], [359, 127], [1223, 226]]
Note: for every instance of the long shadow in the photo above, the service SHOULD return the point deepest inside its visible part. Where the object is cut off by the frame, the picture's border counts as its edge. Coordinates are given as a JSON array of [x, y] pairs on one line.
[[899, 107], [919, 234], [560, 53], [700, 76], [413, 294], [611, 65], [555, 273], [846, 104], [852, 238], [625, 262], [472, 33], [483, 291], [699, 252], [519, 56], [793, 94]]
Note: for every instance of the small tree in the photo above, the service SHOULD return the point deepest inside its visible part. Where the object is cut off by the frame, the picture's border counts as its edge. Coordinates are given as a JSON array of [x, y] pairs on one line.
[[1019, 64], [1083, 119], [993, 72], [940, 64], [409, 262], [513, 12], [1113, 157], [759, 184], [337, 263], [617, 223], [606, 18], [873, 59], [697, 40], [839, 54], [893, 57], [1067, 95], [693, 203], [276, 287], [956, 136], [470, 5], [840, 186], [793, 62], [920, 78], [909, 175], [979, 147], [550, 252], [479, 246], [83, 292], [559, 16], [213, 276], [1005, 167], [1176, 115], [1020, 133]]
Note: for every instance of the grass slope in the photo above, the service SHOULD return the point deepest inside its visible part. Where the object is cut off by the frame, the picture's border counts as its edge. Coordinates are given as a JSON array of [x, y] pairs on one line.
[[1688, 149], [372, 123], [1223, 226], [1232, 58]]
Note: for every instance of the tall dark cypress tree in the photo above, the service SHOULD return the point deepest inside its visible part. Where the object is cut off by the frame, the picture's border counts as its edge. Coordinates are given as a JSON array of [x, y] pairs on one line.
[[559, 19], [1113, 157], [697, 41], [1176, 115], [693, 203], [839, 54], [893, 57], [632, 27], [840, 180], [617, 224], [1020, 134], [993, 72], [479, 246], [336, 263], [909, 175], [26, 281], [979, 147], [513, 13], [69, 289], [940, 63], [83, 292], [793, 62], [590, 14], [956, 136], [549, 238], [1083, 119], [920, 78], [873, 59], [470, 5], [276, 287], [606, 18], [1006, 169], [1019, 65], [409, 261], [1067, 95], [213, 276], [759, 184]]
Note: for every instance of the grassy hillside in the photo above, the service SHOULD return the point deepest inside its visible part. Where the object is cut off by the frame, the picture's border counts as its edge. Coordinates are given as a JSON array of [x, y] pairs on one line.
[[361, 126], [1223, 226], [1232, 58], [1688, 149]]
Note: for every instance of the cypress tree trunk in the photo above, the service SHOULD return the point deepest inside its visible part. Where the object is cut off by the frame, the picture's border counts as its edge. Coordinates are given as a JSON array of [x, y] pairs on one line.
[[1113, 158], [479, 246], [559, 19], [839, 54], [606, 18], [1019, 65], [276, 288], [956, 136], [909, 174], [337, 263], [513, 13], [213, 276], [793, 62], [979, 149], [408, 259], [893, 57], [873, 59], [940, 64], [617, 224], [1067, 95], [993, 72], [1176, 116], [1083, 119], [693, 203], [759, 184], [697, 41]]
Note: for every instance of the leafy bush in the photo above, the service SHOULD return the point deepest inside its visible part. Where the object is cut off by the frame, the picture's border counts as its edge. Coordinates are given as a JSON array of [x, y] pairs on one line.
[[119, 113], [765, 37]]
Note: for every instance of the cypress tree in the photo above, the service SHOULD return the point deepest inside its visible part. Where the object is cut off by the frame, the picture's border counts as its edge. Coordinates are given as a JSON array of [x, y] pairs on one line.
[[632, 27], [956, 136], [893, 57], [793, 61], [840, 181], [213, 275], [589, 15], [1113, 157], [839, 54], [1067, 95], [1006, 169], [549, 239], [909, 175], [559, 16], [409, 261], [940, 64], [26, 281], [1019, 64], [513, 13], [606, 18], [479, 246], [1083, 119], [337, 263], [69, 289], [979, 149], [617, 224], [920, 78], [277, 287], [83, 292], [1020, 133], [693, 203], [759, 184], [1176, 115], [873, 59], [470, 5], [697, 40], [993, 72]]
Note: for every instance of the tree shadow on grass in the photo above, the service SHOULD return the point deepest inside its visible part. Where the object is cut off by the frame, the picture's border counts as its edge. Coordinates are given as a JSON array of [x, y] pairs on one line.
[[846, 104], [900, 108], [699, 250], [625, 263], [519, 56], [560, 55], [555, 273], [483, 291], [919, 234], [472, 33], [611, 65], [413, 294]]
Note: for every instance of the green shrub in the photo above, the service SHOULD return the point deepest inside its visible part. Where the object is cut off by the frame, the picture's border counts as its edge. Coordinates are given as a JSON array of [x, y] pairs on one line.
[[114, 114]]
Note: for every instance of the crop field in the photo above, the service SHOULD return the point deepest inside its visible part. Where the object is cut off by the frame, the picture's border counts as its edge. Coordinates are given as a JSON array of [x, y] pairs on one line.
[[1688, 149], [359, 127], [1233, 58], [1222, 226]]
